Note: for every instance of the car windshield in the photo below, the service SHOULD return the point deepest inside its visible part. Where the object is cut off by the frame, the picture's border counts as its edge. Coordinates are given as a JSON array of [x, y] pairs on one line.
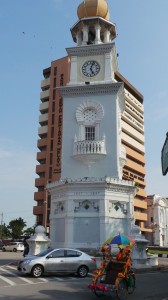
[[43, 253]]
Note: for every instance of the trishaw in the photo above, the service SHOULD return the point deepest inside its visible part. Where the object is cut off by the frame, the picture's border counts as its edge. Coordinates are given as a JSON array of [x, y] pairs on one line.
[[115, 275]]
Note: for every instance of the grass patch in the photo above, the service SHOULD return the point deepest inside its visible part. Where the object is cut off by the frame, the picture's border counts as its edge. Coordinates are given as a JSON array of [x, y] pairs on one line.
[[157, 251]]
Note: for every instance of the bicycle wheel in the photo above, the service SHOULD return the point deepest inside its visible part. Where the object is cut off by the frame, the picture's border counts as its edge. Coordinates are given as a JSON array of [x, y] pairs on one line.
[[99, 281], [121, 289], [131, 284]]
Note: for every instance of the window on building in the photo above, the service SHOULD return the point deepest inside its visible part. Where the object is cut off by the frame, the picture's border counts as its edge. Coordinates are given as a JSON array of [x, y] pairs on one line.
[[53, 119], [55, 71], [51, 158], [53, 107], [40, 203], [89, 115], [89, 133], [54, 93], [52, 132], [51, 145], [55, 82], [50, 172], [39, 219]]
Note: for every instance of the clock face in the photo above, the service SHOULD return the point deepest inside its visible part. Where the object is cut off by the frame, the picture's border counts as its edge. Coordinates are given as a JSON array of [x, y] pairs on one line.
[[90, 68]]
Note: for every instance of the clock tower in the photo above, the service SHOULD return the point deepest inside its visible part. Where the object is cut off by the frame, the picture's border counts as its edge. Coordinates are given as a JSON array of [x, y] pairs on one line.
[[91, 201]]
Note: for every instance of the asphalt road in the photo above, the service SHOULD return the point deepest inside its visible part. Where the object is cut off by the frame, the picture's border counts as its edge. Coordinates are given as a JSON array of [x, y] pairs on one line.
[[15, 286]]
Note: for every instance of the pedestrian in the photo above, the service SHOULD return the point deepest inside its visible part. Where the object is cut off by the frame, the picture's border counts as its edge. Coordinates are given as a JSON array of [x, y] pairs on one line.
[[26, 249]]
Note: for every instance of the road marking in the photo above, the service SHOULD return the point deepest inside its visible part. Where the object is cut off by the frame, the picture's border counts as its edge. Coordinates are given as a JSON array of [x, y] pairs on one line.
[[15, 275], [43, 279], [10, 267], [58, 278], [7, 280]]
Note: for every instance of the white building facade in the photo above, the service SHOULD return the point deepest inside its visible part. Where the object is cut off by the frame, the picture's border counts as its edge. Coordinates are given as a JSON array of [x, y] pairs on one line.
[[91, 201], [158, 220]]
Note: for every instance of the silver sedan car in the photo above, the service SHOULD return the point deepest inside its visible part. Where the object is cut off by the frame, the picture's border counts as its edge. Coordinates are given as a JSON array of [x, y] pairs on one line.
[[62, 260]]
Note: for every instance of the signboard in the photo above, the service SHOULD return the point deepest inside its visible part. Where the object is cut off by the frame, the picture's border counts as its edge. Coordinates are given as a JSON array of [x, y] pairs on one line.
[[164, 156]]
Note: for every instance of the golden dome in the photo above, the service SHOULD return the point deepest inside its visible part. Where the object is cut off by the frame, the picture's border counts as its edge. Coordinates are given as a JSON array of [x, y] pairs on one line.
[[93, 8]]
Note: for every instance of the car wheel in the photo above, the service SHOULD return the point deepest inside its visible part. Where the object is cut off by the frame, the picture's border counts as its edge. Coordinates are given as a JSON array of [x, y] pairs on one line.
[[3, 249], [37, 271], [82, 271], [14, 250]]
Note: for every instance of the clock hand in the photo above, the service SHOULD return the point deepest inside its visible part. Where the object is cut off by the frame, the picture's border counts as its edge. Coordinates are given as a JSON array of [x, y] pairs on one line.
[[91, 68]]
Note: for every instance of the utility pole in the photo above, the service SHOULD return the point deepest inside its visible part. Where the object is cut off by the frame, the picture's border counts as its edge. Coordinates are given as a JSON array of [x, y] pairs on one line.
[[1, 226]]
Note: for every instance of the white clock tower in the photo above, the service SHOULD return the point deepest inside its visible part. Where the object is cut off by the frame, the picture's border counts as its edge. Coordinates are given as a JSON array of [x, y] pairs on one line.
[[91, 201]]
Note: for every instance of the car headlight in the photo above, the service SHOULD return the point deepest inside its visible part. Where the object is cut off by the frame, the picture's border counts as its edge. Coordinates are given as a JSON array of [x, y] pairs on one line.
[[27, 261]]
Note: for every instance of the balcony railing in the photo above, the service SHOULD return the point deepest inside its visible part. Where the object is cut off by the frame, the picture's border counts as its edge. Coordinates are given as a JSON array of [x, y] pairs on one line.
[[89, 151]]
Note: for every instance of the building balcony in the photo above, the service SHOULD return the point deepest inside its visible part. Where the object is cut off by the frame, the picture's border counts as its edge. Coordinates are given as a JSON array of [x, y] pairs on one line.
[[132, 143], [140, 204], [133, 132], [44, 106], [40, 169], [43, 118], [39, 195], [141, 192], [133, 122], [45, 83], [37, 210], [41, 155], [42, 143], [140, 216], [135, 155], [134, 101], [89, 151], [42, 130], [131, 165], [44, 94], [40, 182]]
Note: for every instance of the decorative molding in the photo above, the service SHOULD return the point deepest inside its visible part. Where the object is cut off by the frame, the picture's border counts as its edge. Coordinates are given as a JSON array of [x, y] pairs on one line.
[[89, 50], [89, 104], [97, 89], [85, 180], [59, 207], [86, 205]]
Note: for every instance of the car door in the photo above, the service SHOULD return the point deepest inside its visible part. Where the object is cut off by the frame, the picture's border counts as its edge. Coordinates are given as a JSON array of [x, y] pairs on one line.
[[71, 260], [54, 262], [10, 246]]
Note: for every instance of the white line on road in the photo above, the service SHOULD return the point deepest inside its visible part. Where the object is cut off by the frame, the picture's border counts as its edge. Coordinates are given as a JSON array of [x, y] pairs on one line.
[[43, 279], [59, 279], [15, 275], [7, 280]]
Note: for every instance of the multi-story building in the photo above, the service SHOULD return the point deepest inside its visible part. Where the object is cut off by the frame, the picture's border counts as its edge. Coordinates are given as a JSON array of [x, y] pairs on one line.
[[129, 140]]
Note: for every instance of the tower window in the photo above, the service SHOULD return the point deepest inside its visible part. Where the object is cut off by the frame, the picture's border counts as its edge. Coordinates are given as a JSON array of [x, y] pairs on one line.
[[89, 133]]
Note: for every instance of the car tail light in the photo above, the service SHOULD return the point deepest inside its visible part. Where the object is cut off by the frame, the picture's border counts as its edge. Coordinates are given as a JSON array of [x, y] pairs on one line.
[[94, 259]]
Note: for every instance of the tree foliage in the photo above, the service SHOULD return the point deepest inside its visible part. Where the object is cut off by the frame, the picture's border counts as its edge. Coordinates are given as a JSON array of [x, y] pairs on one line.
[[16, 227], [4, 232], [29, 231]]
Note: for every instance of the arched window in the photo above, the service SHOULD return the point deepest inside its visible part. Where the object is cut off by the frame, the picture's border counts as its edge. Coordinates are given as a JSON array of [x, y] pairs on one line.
[[89, 115]]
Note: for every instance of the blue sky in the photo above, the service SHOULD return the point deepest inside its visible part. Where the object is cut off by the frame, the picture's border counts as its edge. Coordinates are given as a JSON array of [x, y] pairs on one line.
[[35, 32]]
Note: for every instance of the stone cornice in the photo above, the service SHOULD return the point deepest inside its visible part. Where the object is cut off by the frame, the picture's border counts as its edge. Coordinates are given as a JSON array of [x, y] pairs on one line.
[[97, 89], [90, 50], [107, 181]]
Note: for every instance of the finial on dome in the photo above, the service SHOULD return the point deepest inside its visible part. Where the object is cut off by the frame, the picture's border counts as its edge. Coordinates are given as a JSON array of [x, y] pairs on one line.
[[93, 8]]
